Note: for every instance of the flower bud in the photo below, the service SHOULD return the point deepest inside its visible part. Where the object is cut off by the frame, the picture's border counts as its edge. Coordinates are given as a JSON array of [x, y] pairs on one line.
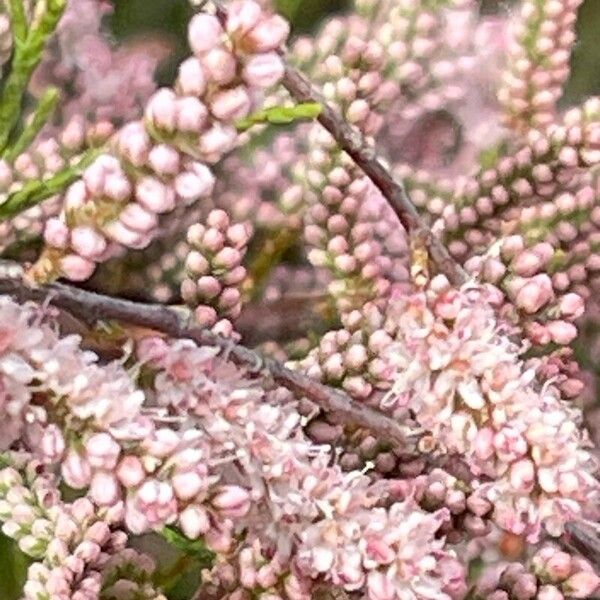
[[191, 80], [232, 501], [161, 110], [204, 32], [194, 521], [267, 35], [76, 268], [581, 585], [263, 70]]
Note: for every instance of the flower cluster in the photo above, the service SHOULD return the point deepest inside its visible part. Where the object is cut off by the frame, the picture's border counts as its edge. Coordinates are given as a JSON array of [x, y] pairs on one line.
[[417, 413], [161, 162]]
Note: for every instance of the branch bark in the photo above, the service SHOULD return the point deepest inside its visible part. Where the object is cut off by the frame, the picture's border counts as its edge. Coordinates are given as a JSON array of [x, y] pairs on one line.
[[91, 307]]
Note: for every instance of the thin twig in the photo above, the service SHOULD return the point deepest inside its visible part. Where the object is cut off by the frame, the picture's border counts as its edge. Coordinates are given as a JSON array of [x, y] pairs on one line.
[[91, 307]]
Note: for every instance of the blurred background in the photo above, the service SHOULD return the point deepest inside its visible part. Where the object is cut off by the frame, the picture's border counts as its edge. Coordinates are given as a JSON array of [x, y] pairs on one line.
[[147, 17]]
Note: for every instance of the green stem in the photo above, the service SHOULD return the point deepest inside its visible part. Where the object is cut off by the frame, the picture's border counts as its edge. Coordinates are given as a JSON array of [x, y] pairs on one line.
[[18, 20], [34, 192], [27, 55], [44, 110]]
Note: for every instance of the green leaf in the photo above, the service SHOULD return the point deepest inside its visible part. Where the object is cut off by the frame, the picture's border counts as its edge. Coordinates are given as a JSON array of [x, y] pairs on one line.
[[281, 115], [13, 569], [195, 548], [41, 115], [29, 48]]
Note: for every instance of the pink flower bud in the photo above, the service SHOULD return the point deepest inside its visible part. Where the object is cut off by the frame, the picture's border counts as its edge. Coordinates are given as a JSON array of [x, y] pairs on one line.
[[536, 293], [134, 217], [56, 233], [195, 183], [232, 501], [204, 32], [164, 160], [161, 110], [571, 306], [187, 484], [98, 533], [208, 287], [154, 195], [102, 451], [117, 187], [263, 70], [242, 16], [88, 551], [191, 115], [134, 143], [229, 301], [231, 104], [130, 472], [239, 234], [87, 242], [217, 141], [194, 522], [558, 566], [268, 34], [191, 80], [76, 268], [358, 111], [562, 332], [206, 316], [76, 470], [104, 489], [527, 263], [220, 66]]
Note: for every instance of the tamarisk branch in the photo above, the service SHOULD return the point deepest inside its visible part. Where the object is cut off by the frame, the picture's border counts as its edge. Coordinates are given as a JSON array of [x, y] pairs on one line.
[[91, 308], [365, 156]]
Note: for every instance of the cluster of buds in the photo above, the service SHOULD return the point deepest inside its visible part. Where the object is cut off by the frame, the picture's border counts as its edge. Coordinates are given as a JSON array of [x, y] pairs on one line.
[[538, 54], [351, 358], [214, 270], [551, 574], [469, 511], [352, 230], [46, 157], [546, 164], [74, 541], [128, 576], [161, 162]]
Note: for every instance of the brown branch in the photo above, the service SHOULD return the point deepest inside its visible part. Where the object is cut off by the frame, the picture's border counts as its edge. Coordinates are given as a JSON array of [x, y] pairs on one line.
[[91, 307]]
